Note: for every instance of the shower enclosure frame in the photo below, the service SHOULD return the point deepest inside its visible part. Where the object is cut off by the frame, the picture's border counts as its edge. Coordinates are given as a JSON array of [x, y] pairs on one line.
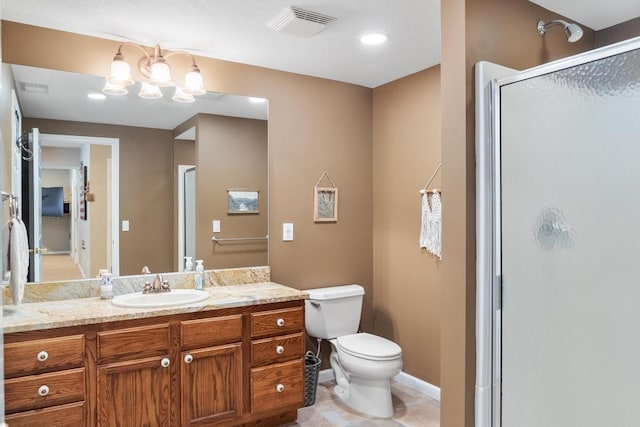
[[490, 78]]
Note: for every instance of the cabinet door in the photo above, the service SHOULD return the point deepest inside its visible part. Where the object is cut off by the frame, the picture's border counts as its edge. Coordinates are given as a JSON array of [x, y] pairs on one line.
[[211, 384], [134, 393]]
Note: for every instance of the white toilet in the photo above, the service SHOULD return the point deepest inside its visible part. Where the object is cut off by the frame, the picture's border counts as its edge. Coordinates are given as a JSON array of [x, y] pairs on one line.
[[363, 363]]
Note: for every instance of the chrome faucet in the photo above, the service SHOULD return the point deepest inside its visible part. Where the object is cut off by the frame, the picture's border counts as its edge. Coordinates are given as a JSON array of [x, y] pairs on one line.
[[158, 285]]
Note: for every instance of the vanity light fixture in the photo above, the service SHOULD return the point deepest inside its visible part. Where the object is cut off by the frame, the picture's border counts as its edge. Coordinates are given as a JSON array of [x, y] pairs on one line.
[[374, 38], [155, 68]]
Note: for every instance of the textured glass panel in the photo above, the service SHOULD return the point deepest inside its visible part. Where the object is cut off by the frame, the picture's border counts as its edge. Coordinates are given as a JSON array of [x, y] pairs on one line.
[[570, 159]]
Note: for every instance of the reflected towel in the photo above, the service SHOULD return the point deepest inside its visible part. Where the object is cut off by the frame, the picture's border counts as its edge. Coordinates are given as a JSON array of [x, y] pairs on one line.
[[6, 235], [426, 213], [18, 259]]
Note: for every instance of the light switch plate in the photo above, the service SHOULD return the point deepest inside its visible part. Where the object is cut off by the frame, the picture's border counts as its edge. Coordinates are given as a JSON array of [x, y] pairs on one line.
[[125, 225], [287, 232], [216, 226]]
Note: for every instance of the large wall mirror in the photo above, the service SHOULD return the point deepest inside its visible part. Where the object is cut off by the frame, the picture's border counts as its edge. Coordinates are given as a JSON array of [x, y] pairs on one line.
[[122, 182]]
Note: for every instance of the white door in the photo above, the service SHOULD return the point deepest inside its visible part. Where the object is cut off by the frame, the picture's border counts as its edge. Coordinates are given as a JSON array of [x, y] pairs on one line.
[[186, 214], [35, 210], [569, 202]]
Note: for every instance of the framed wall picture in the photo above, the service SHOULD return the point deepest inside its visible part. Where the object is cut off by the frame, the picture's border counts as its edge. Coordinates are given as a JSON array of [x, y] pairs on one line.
[[242, 202], [325, 204]]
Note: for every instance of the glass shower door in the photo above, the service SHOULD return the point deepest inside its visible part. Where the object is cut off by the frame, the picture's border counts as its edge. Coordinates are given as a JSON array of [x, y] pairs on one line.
[[569, 202]]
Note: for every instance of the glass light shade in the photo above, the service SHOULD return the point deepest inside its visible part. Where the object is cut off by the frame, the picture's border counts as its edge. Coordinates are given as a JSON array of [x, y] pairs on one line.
[[120, 73], [114, 89], [181, 96], [149, 91], [193, 83], [160, 74]]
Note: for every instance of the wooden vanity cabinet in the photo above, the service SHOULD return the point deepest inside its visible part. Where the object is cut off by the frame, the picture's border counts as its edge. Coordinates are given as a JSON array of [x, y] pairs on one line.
[[134, 376], [45, 382], [227, 367], [211, 370]]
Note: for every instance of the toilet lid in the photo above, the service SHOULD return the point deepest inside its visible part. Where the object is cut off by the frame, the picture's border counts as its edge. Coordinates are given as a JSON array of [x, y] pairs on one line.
[[367, 346]]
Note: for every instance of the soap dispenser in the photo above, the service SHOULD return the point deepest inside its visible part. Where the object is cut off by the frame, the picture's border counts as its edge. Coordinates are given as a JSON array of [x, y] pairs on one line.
[[199, 274], [188, 263]]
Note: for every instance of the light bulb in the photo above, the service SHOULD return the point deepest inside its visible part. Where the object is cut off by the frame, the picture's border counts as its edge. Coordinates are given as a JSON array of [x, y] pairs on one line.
[[149, 91], [193, 83], [160, 73], [114, 89], [181, 96], [120, 72]]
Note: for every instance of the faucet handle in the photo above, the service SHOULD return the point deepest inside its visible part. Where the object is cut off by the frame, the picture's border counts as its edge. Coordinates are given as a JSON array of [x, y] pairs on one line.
[[146, 288], [165, 286]]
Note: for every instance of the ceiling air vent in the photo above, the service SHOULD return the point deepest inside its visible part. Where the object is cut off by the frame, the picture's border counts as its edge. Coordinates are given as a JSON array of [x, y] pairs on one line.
[[300, 22], [34, 87]]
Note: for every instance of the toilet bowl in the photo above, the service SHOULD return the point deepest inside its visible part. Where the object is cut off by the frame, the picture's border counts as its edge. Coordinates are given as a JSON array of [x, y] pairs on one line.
[[363, 363]]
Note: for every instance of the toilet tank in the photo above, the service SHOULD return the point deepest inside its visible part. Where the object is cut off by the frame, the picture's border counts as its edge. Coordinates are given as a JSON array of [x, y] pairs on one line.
[[334, 311]]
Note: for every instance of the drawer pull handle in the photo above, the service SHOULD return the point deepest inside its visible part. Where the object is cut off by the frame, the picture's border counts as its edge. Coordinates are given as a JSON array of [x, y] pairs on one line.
[[280, 388], [188, 358], [42, 356], [279, 349], [280, 322], [43, 390], [165, 362]]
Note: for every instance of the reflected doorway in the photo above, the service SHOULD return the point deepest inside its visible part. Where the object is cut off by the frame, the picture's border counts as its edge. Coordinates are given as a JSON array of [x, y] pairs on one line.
[[186, 214]]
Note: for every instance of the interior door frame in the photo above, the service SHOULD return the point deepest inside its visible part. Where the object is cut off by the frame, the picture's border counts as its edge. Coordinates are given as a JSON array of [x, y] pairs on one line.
[[489, 292], [114, 143], [182, 170]]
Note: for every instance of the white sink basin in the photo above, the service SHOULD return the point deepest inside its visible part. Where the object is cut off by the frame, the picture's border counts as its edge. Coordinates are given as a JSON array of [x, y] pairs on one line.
[[162, 299]]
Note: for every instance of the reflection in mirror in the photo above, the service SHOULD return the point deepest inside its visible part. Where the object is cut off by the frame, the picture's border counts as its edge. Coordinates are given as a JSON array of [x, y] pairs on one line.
[[129, 182]]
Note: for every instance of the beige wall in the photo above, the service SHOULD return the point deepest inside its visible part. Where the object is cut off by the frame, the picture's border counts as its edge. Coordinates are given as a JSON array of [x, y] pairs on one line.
[[406, 152], [314, 125], [146, 190], [500, 31], [97, 209], [231, 153], [617, 33]]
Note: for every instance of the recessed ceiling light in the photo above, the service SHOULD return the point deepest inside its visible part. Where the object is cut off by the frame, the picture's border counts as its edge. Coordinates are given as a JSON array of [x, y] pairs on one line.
[[256, 99], [374, 38], [96, 96]]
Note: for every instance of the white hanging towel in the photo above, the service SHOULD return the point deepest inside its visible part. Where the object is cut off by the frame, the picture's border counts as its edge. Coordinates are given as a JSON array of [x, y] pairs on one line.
[[18, 259], [426, 214], [435, 232], [431, 229]]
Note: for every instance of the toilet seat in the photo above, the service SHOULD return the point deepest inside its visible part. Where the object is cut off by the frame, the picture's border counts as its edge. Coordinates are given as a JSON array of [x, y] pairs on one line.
[[370, 347]]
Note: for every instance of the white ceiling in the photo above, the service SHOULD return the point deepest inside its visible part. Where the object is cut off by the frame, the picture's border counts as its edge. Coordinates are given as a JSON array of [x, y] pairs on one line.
[[237, 31], [595, 14], [66, 99]]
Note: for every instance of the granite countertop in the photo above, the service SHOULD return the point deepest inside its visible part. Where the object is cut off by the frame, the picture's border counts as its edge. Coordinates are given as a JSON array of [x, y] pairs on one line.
[[85, 311]]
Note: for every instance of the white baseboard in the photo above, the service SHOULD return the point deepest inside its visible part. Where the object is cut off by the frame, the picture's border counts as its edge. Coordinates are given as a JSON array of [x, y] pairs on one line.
[[417, 384], [326, 375], [403, 378]]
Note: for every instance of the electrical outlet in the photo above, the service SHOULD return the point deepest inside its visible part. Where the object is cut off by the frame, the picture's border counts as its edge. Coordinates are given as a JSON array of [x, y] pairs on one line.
[[125, 225], [287, 232], [216, 226]]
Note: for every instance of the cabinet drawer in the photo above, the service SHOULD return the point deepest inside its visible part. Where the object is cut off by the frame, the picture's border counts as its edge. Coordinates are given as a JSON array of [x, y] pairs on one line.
[[133, 342], [44, 390], [37, 356], [277, 386], [208, 332], [277, 322], [278, 349], [57, 416]]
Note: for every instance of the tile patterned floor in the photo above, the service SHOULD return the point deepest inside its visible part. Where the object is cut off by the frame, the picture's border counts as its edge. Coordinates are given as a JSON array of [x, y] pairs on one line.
[[412, 409]]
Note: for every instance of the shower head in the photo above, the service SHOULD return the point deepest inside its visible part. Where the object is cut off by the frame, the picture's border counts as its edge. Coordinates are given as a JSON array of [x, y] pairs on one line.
[[573, 31]]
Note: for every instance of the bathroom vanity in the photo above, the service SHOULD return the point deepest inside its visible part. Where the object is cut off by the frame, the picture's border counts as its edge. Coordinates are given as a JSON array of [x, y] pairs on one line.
[[234, 359]]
